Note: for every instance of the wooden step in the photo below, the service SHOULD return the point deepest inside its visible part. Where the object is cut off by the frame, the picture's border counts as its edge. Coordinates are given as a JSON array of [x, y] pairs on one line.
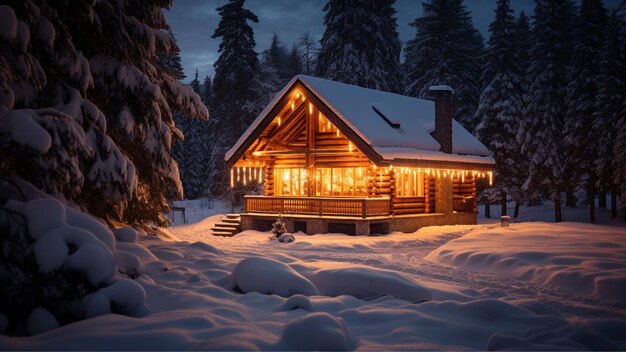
[[233, 216], [221, 232], [226, 225], [231, 221]]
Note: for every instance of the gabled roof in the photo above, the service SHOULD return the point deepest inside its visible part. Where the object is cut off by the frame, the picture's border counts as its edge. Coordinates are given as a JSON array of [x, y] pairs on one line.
[[396, 127]]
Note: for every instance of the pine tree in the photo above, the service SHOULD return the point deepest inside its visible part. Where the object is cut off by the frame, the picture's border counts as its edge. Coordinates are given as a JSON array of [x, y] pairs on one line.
[[611, 108], [270, 81], [580, 136], [501, 103], [235, 87], [171, 61], [195, 83], [100, 102], [294, 63], [523, 50], [307, 46], [276, 57], [360, 45], [207, 90], [549, 64], [446, 50]]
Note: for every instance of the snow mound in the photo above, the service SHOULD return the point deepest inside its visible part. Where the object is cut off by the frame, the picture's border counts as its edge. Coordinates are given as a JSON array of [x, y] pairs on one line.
[[287, 238], [40, 321], [8, 23], [366, 283], [316, 332], [297, 302], [91, 224], [126, 234], [25, 131], [125, 296], [58, 244], [578, 258], [268, 276]]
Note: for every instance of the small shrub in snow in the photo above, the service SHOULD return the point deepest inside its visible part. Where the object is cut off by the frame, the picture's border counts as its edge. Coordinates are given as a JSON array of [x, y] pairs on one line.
[[287, 238], [278, 228]]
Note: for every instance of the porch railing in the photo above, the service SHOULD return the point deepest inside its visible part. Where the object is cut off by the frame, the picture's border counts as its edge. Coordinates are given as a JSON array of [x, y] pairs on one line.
[[352, 207]]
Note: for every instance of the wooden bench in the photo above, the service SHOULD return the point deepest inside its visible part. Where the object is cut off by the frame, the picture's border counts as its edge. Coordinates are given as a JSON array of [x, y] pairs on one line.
[[181, 210]]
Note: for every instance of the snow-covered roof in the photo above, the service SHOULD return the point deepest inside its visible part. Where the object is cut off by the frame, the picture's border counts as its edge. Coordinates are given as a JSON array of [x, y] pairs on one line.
[[375, 115]]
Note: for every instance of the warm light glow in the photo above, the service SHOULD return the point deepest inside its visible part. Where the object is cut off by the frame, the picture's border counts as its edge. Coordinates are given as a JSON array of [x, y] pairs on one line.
[[490, 178], [310, 109], [278, 120], [350, 147], [232, 180], [293, 106], [303, 99], [337, 132]]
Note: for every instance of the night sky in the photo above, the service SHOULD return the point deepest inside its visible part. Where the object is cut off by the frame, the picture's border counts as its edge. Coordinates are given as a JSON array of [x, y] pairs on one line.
[[194, 21]]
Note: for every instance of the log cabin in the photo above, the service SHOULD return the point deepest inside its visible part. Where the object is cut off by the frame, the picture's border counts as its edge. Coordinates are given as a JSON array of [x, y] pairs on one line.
[[333, 157]]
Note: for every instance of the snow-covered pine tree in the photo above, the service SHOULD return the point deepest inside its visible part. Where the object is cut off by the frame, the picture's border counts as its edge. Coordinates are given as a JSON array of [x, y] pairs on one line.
[[195, 152], [308, 48], [207, 90], [611, 109], [550, 56], [182, 151], [446, 50], [276, 57], [501, 103], [270, 81], [86, 108], [171, 61], [581, 139], [235, 87], [361, 45], [523, 49], [294, 63]]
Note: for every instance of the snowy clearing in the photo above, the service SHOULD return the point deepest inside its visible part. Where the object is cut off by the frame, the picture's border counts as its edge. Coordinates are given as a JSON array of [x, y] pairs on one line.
[[422, 290]]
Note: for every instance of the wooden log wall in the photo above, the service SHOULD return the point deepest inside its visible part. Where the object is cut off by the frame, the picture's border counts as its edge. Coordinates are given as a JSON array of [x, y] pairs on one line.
[[268, 181], [465, 188], [430, 184]]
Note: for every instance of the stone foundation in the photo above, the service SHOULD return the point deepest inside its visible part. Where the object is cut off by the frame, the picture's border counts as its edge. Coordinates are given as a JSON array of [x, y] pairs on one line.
[[412, 223], [319, 225]]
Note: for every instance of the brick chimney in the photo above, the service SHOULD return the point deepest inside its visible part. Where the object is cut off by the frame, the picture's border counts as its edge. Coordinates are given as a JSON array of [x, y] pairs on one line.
[[443, 116]]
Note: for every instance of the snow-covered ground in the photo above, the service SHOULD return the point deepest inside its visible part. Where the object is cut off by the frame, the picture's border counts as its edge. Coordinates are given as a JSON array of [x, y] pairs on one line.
[[534, 285]]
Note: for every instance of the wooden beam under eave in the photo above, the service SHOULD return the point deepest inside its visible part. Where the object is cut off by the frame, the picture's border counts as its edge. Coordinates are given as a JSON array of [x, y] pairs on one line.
[[339, 123], [438, 164]]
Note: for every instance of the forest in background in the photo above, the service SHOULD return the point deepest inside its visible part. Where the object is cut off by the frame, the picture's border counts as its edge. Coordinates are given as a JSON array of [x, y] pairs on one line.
[[545, 93]]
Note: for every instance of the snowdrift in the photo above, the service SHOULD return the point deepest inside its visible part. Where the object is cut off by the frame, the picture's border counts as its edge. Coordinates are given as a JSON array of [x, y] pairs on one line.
[[578, 258]]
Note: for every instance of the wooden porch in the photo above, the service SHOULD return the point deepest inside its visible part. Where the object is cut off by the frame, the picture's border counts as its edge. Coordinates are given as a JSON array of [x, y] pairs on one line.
[[346, 207]]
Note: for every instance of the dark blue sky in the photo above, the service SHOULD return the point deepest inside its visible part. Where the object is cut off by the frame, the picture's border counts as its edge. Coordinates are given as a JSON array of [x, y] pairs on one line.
[[194, 21]]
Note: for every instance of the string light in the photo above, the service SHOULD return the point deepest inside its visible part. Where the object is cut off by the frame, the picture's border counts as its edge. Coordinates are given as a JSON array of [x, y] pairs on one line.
[[350, 147], [293, 106], [232, 180], [278, 120], [310, 109]]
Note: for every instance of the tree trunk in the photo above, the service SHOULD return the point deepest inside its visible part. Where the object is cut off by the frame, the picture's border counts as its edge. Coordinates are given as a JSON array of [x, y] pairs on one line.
[[613, 202], [488, 210], [602, 200], [558, 217], [592, 198], [503, 203], [516, 212], [570, 198]]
